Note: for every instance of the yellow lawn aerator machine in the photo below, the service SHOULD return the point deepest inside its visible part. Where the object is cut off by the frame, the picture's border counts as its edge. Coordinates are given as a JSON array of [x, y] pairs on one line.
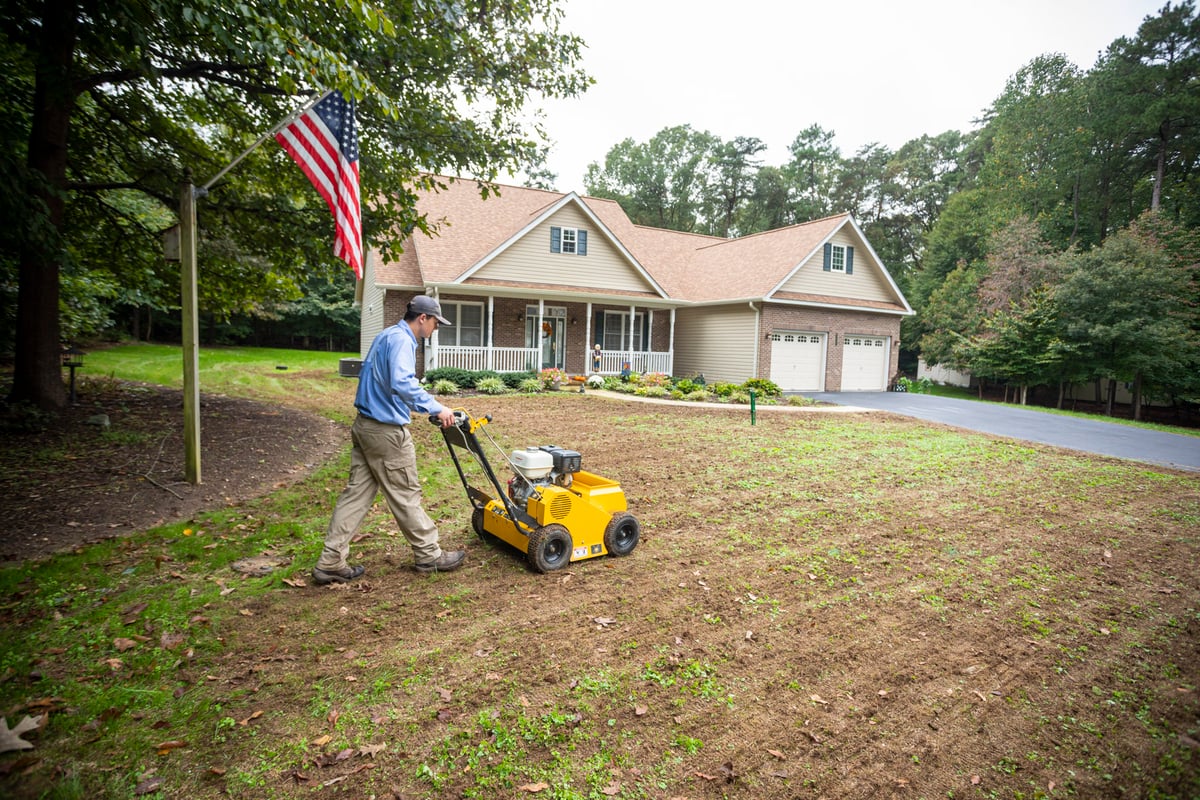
[[552, 511]]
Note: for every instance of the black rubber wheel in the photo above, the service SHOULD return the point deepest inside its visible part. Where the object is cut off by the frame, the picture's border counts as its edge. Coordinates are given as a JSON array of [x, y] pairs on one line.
[[622, 534], [477, 523], [549, 548]]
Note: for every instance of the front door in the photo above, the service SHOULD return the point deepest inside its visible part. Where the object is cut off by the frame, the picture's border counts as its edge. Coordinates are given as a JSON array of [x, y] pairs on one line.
[[552, 335]]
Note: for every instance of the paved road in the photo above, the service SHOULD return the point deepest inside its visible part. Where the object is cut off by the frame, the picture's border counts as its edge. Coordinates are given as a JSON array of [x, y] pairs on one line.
[[1092, 436]]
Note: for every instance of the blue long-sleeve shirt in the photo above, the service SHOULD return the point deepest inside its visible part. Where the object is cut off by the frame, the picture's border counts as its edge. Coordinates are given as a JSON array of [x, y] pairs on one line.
[[388, 389]]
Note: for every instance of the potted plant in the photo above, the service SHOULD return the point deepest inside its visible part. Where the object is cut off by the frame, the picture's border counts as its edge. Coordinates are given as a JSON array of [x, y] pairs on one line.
[[552, 377]]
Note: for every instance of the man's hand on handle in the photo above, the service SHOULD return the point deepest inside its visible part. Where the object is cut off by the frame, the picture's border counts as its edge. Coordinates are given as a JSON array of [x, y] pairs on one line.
[[445, 417]]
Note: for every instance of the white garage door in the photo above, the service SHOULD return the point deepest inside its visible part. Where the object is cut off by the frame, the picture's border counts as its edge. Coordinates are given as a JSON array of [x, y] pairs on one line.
[[798, 361], [864, 363]]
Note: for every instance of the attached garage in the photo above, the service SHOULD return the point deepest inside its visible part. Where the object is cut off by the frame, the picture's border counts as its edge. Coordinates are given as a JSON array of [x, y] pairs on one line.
[[798, 361], [865, 363]]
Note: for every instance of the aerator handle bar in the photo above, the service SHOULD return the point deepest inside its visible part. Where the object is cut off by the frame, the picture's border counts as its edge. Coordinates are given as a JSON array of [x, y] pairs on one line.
[[462, 434]]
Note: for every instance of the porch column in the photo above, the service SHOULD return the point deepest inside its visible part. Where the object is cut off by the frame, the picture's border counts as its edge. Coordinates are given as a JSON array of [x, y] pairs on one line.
[[671, 344], [491, 318], [632, 322], [587, 341]]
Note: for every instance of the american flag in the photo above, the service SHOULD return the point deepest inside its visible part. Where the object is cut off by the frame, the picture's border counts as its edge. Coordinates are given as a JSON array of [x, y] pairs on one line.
[[324, 142]]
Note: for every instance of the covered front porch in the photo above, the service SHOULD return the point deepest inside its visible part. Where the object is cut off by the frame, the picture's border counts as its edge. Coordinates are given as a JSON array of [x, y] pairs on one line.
[[511, 334]]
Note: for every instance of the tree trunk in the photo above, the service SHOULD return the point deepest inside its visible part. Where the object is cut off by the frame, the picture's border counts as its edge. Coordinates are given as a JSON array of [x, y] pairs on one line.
[[1112, 397], [1024, 394], [37, 368], [1160, 167], [1062, 393], [1137, 395]]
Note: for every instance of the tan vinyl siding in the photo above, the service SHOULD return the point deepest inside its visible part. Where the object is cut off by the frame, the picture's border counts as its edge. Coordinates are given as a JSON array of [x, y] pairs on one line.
[[716, 341], [372, 308], [530, 260], [866, 282]]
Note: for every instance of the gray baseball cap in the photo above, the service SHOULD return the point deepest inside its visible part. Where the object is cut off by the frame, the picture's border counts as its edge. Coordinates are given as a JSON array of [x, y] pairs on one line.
[[424, 304]]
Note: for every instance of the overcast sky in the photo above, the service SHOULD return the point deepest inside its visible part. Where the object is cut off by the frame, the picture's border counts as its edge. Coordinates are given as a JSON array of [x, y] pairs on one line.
[[882, 71]]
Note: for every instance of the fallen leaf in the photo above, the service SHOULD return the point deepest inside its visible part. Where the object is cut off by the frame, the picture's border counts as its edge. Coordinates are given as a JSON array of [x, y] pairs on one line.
[[777, 754], [332, 716], [445, 694], [533, 788], [371, 750], [975, 780], [11, 739], [218, 771], [169, 641], [245, 612], [816, 698], [979, 694], [603, 621], [321, 741], [121, 644], [299, 583], [749, 635], [613, 788], [255, 715], [706, 776], [149, 785], [640, 710], [165, 747]]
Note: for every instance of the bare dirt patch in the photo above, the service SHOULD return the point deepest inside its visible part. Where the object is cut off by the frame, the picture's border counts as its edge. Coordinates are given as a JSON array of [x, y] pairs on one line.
[[76, 481]]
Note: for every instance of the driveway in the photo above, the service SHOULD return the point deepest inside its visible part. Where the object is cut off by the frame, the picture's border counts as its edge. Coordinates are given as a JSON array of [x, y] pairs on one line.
[[1091, 436]]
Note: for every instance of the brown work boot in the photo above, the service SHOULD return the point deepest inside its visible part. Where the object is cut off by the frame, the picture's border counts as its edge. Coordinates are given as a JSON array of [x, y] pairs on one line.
[[344, 575], [448, 561]]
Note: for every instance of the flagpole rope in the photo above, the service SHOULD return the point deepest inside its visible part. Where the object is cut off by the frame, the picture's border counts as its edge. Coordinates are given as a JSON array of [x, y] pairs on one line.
[[312, 101]]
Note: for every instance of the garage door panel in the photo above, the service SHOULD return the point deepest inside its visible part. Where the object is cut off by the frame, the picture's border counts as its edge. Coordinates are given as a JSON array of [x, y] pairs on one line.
[[798, 361], [865, 363]]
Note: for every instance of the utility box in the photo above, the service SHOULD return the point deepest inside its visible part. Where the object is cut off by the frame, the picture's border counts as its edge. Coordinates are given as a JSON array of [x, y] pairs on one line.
[[349, 367]]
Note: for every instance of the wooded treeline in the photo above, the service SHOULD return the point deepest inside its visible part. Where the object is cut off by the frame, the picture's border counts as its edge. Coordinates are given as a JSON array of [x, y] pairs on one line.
[[1054, 244]]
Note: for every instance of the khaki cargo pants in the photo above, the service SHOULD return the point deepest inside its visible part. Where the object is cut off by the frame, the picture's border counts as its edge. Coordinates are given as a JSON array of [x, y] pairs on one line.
[[383, 460]]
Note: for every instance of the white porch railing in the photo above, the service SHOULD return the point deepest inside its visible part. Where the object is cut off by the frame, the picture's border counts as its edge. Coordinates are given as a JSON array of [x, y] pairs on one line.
[[640, 362], [526, 359], [500, 359]]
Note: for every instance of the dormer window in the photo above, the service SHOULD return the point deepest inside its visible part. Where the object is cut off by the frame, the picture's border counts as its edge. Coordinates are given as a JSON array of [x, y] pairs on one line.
[[572, 241]]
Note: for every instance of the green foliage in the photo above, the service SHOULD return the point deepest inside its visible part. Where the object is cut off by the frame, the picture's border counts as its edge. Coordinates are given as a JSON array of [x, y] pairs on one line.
[[724, 390], [762, 387], [462, 377], [686, 385], [920, 386], [652, 391], [530, 385], [443, 386], [514, 380], [491, 385]]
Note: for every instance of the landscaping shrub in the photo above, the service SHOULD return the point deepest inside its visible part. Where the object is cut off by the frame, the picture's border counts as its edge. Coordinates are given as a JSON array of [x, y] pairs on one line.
[[595, 381], [530, 385], [738, 396], [762, 387], [651, 391], [698, 396], [687, 385], [443, 386], [723, 390], [460, 377], [492, 385], [514, 380]]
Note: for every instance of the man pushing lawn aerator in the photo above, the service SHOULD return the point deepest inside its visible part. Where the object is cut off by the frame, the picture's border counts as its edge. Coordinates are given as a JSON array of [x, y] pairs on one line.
[[384, 459]]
